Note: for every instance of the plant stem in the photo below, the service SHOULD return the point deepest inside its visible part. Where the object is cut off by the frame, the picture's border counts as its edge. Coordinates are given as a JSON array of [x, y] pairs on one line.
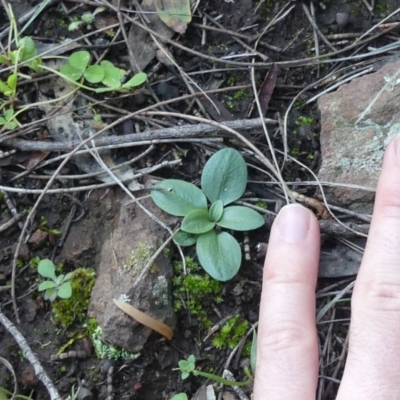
[[217, 378]]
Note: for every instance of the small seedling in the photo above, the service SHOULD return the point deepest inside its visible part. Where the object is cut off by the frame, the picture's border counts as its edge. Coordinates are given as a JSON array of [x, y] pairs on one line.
[[57, 286], [87, 19], [188, 367], [105, 73], [223, 181]]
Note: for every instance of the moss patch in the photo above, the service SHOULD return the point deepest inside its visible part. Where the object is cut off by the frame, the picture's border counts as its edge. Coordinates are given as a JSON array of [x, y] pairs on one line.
[[73, 310]]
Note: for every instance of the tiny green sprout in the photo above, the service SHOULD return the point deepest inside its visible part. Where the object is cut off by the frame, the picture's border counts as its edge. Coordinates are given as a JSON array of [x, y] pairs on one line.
[[188, 367], [56, 286], [87, 19]]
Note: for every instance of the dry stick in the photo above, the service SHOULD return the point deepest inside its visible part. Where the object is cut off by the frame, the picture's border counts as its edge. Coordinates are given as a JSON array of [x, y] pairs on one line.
[[246, 46], [315, 27], [285, 189], [278, 17], [316, 41], [143, 143], [205, 129], [146, 171], [12, 209], [250, 145], [340, 363], [10, 222], [324, 351], [234, 34], [28, 353]]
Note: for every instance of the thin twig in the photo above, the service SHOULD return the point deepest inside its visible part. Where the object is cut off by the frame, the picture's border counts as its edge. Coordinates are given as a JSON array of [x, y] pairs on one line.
[[28, 353]]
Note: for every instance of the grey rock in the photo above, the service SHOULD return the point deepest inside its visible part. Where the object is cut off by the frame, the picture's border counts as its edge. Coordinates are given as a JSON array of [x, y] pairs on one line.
[[118, 239], [133, 241], [352, 152]]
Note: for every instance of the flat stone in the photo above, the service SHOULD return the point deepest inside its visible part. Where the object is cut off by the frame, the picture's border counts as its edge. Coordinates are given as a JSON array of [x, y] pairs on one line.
[[118, 239], [351, 150]]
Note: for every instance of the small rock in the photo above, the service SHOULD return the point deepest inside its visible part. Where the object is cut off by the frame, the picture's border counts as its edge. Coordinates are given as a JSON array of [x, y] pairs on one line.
[[342, 19], [352, 152], [28, 376], [30, 308], [132, 240], [38, 238]]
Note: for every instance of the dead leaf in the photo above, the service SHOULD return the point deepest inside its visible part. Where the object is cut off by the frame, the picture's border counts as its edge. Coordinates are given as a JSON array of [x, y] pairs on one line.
[[144, 319], [35, 159], [265, 93], [176, 14]]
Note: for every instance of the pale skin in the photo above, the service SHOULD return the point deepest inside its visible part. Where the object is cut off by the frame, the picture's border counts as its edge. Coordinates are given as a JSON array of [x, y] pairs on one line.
[[287, 353]]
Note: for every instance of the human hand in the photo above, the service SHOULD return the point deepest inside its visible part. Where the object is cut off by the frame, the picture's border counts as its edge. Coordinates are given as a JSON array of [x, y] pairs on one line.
[[287, 350]]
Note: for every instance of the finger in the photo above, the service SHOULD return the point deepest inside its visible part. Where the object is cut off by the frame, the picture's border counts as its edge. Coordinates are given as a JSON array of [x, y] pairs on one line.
[[372, 369], [287, 356]]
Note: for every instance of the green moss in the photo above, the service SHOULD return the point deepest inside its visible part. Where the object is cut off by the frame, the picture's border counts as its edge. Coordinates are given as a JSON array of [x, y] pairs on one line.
[[239, 95], [231, 333], [102, 349], [73, 310], [230, 81], [261, 204], [195, 291], [303, 120]]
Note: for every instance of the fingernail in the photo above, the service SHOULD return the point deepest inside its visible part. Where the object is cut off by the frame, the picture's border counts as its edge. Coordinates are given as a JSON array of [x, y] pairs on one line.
[[293, 223]]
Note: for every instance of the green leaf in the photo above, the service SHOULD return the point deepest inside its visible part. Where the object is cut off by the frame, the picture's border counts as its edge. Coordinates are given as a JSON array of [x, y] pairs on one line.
[[94, 74], [11, 125], [68, 276], [9, 114], [216, 211], [184, 239], [3, 59], [112, 75], [46, 285], [176, 14], [79, 60], [240, 218], [50, 294], [182, 365], [179, 198], [197, 221], [224, 176], [64, 291], [98, 10], [73, 26], [2, 121], [12, 81], [28, 48], [184, 375], [136, 80], [253, 352], [36, 65], [180, 396], [192, 361], [70, 72], [87, 17], [3, 87], [219, 255], [47, 269]]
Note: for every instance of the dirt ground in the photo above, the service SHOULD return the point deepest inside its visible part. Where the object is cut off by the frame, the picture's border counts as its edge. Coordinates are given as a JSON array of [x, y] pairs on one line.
[[215, 53]]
